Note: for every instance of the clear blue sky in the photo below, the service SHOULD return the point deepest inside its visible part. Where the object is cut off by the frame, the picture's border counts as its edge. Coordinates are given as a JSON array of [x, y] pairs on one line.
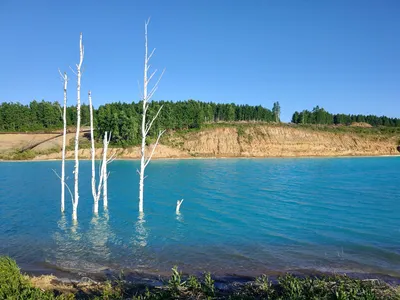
[[343, 55]]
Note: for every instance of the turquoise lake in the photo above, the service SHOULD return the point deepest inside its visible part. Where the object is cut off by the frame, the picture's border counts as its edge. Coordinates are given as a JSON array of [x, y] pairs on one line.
[[239, 216]]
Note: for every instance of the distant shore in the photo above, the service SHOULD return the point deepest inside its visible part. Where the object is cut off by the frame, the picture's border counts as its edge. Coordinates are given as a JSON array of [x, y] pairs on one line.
[[208, 158], [220, 142]]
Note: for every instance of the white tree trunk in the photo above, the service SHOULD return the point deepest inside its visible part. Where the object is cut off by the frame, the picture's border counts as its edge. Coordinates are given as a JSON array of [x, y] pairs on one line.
[[144, 161], [65, 78], [104, 170], [178, 206], [93, 153], [142, 158], [78, 128]]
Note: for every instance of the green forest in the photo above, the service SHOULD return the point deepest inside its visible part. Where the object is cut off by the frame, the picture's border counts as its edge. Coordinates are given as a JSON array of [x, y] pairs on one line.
[[320, 116], [123, 119]]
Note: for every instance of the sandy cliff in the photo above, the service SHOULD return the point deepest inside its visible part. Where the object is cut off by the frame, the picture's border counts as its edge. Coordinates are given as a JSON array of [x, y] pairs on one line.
[[274, 141], [258, 141]]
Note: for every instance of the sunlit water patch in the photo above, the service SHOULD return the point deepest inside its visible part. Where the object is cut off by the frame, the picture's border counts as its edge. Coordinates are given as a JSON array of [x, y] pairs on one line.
[[239, 216]]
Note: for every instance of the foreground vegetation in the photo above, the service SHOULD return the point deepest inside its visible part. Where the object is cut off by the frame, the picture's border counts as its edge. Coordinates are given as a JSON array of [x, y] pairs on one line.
[[14, 285]]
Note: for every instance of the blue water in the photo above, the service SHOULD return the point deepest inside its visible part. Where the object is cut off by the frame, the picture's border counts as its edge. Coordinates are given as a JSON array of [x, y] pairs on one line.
[[239, 216]]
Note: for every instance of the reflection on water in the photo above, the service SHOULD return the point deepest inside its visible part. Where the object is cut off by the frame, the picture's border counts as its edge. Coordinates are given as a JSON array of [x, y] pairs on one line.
[[141, 234], [179, 217], [99, 234], [180, 227], [78, 249]]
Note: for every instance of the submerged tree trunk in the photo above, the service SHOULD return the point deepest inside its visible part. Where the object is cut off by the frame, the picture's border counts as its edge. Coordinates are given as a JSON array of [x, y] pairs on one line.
[[144, 161], [104, 170], [65, 78], [78, 127], [93, 153], [178, 206]]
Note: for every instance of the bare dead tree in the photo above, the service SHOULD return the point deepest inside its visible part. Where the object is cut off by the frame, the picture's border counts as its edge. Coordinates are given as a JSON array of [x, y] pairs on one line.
[[93, 153], [178, 206], [64, 117], [104, 171], [146, 126], [78, 128]]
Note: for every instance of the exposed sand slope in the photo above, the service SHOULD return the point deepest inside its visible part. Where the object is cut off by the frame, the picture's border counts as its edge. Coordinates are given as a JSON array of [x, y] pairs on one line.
[[275, 141], [258, 141]]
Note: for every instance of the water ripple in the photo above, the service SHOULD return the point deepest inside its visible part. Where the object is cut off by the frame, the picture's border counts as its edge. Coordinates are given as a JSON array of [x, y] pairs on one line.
[[239, 217]]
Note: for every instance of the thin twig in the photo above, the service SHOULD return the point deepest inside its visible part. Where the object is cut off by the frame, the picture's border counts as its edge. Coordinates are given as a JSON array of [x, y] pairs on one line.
[[69, 190], [151, 123], [154, 148]]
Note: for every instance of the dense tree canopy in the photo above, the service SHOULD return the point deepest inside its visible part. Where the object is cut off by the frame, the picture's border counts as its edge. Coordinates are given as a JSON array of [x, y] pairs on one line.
[[123, 119], [320, 116], [15, 117]]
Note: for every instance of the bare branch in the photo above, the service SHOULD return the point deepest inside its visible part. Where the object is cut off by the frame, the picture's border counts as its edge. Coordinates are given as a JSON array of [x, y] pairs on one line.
[[69, 190], [61, 75], [146, 23], [151, 123], [154, 147], [112, 158], [100, 185], [151, 54], [155, 87], [178, 205], [82, 52], [72, 70], [152, 74], [146, 107], [100, 166]]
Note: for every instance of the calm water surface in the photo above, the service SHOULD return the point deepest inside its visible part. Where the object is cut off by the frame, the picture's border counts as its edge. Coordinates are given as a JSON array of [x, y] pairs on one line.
[[244, 216]]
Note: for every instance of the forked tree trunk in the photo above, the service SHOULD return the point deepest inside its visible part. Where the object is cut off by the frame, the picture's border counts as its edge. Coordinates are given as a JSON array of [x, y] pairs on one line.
[[178, 206]]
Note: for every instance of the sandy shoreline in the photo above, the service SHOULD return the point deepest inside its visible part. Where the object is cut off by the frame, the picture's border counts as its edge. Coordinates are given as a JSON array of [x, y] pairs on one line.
[[211, 158]]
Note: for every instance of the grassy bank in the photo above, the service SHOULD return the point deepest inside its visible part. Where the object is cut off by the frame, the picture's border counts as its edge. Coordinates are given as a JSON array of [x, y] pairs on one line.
[[14, 285]]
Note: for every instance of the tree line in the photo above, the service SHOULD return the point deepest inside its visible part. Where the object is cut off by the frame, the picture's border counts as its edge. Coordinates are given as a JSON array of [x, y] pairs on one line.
[[320, 116], [37, 116], [123, 119]]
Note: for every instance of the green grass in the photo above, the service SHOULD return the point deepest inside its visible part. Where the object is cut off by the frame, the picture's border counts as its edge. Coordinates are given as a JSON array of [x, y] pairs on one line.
[[14, 285], [380, 131], [18, 155]]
